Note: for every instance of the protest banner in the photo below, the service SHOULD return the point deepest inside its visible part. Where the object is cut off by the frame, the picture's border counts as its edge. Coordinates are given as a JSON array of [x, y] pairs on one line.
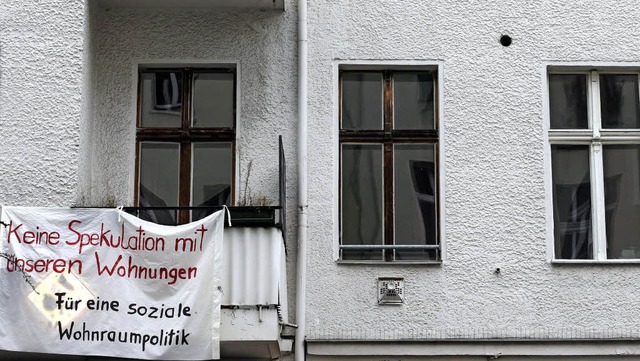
[[103, 282]]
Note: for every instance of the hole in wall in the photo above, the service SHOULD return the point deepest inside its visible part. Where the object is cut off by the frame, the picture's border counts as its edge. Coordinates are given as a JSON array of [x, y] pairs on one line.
[[505, 40]]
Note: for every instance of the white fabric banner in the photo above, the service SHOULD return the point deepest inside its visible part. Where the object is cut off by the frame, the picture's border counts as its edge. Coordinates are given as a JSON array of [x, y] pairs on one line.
[[103, 282]]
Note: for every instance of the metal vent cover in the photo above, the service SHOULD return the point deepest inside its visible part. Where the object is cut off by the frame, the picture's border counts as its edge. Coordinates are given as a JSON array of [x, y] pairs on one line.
[[390, 290]]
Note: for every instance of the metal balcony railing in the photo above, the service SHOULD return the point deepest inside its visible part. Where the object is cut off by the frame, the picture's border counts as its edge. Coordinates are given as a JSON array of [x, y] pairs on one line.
[[251, 216]]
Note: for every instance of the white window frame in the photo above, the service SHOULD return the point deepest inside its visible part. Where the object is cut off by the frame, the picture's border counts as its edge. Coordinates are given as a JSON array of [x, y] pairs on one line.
[[594, 137]]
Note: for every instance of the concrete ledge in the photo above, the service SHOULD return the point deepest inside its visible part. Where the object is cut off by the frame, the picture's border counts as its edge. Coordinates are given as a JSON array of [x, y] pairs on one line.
[[211, 4], [484, 348]]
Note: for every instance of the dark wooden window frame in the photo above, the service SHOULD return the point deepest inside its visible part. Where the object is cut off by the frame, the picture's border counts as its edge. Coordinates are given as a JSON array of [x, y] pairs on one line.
[[186, 135], [387, 137]]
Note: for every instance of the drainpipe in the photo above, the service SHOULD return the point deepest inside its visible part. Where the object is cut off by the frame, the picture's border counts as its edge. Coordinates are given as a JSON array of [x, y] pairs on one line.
[[301, 267]]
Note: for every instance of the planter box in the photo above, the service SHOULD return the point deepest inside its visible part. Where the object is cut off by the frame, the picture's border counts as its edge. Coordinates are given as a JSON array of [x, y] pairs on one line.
[[253, 216]]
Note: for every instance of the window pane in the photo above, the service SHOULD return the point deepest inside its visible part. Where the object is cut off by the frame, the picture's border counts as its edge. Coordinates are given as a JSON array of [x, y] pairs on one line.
[[568, 101], [161, 99], [413, 97], [622, 200], [362, 212], [213, 95], [159, 180], [619, 101], [212, 167], [362, 101], [571, 201], [414, 199]]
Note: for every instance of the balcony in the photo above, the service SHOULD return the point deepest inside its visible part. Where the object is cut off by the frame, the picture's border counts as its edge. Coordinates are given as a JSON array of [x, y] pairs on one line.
[[201, 4], [254, 308], [254, 301], [254, 280]]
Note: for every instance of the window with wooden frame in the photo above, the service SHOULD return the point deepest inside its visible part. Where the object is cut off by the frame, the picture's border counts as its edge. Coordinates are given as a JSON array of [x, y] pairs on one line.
[[388, 165], [185, 142], [594, 137]]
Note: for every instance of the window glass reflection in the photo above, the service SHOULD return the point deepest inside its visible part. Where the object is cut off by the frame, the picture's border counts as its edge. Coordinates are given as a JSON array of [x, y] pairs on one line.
[[211, 183], [413, 101], [362, 213], [619, 101], [414, 198], [159, 179], [568, 101], [213, 100], [361, 101], [161, 100], [622, 200], [572, 201]]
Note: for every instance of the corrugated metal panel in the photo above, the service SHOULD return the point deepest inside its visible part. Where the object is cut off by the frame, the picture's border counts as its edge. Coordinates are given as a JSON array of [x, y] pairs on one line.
[[252, 266]]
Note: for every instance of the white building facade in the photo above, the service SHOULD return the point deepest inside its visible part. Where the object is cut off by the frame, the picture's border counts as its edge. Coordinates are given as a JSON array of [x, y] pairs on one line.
[[472, 176]]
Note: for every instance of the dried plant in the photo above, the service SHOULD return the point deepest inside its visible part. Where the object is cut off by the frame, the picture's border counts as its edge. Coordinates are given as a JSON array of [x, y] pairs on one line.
[[248, 198], [110, 201]]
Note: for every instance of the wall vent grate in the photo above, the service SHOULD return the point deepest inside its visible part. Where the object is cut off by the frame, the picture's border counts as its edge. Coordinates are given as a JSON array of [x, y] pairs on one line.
[[390, 290]]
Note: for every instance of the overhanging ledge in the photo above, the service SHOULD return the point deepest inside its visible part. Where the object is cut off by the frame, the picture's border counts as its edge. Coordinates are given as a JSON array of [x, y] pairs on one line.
[[321, 349], [203, 4]]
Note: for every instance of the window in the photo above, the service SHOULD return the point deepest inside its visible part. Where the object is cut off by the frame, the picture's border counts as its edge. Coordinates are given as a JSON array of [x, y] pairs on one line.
[[594, 135], [185, 141], [388, 171]]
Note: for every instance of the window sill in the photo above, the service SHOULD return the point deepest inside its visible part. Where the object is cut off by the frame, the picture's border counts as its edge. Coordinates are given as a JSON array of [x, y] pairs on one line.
[[595, 262], [391, 263]]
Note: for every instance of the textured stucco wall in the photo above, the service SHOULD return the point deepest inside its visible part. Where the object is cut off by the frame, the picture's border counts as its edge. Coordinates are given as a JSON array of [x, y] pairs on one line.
[[87, 122], [41, 80], [495, 213]]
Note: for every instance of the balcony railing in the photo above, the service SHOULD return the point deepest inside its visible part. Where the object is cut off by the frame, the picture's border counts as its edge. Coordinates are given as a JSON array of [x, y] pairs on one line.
[[251, 216]]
